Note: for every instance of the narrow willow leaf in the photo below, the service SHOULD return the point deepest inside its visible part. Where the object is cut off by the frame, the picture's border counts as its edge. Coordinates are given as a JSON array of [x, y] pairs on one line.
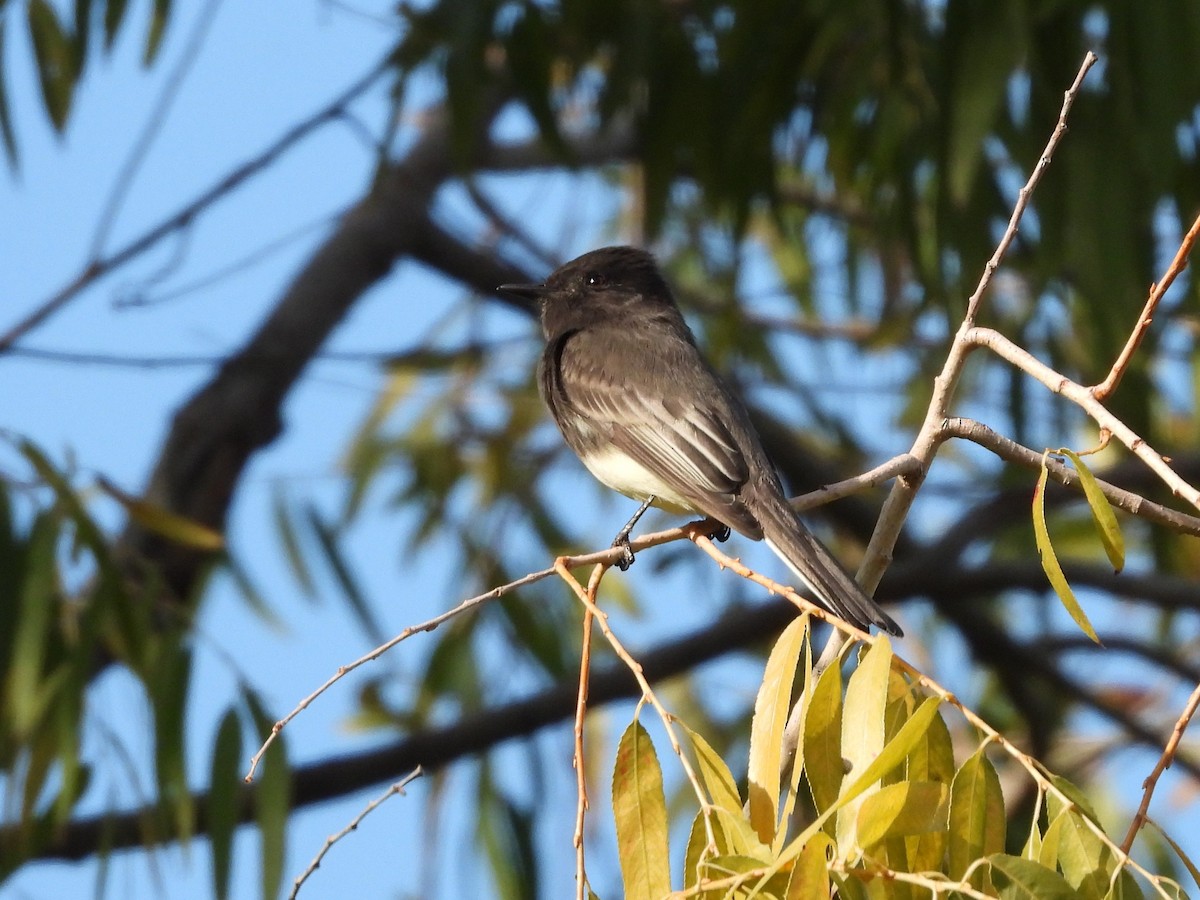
[[905, 808], [896, 750], [224, 795], [327, 538], [864, 729], [1055, 806], [164, 522], [158, 27], [810, 875], [169, 684], [640, 810], [1023, 879], [272, 805], [1183, 857], [1050, 566], [1102, 512], [6, 129], [55, 61], [977, 823], [823, 740], [290, 539], [771, 709], [714, 774]]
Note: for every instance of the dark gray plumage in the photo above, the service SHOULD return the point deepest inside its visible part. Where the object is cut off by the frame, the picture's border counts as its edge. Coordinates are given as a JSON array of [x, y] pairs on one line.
[[636, 401]]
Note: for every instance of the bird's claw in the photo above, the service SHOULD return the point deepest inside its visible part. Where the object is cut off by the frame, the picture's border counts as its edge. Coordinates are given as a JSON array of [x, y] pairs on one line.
[[626, 558], [721, 534]]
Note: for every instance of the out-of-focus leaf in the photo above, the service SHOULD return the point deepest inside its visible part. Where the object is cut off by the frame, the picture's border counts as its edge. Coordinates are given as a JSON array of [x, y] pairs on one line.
[[327, 538], [55, 56], [163, 521], [26, 697], [771, 709], [1050, 566], [823, 766], [290, 540], [224, 793], [977, 822], [640, 810], [1023, 879], [169, 683], [902, 809], [1102, 512], [272, 800], [158, 27], [1183, 857], [114, 15], [6, 129]]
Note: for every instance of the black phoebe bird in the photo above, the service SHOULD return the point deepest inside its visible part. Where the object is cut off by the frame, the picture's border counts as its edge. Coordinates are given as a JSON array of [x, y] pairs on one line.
[[649, 417]]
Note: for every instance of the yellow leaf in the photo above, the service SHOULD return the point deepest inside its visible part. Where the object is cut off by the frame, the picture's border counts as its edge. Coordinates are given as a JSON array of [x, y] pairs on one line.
[[1102, 512], [640, 811], [1050, 566], [162, 521]]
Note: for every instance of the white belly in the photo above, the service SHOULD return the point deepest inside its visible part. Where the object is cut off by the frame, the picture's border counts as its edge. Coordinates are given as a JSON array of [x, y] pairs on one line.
[[625, 475]]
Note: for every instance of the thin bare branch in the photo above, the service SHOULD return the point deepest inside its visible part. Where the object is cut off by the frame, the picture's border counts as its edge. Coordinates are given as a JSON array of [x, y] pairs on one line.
[[397, 788], [1102, 390], [1164, 763]]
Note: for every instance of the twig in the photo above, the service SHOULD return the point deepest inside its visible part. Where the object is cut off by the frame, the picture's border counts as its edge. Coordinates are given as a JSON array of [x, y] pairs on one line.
[[606, 557], [1083, 398], [97, 268], [1134, 504], [1164, 763], [585, 666], [397, 788], [895, 509], [1102, 390], [560, 566]]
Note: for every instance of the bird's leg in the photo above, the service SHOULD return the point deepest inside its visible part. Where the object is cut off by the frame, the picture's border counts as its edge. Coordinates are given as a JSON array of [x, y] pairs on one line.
[[721, 532], [622, 538]]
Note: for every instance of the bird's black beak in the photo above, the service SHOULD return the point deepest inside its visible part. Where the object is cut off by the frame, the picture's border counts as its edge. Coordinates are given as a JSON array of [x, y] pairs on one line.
[[528, 292]]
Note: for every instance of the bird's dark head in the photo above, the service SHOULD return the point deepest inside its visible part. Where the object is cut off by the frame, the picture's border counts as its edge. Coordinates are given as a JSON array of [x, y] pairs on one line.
[[611, 281]]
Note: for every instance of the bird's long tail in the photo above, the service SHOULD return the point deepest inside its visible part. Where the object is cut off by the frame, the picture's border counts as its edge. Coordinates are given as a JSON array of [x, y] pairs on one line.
[[807, 557]]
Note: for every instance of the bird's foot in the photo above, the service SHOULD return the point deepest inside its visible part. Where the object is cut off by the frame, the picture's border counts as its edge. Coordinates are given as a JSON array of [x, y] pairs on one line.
[[626, 558], [721, 533]]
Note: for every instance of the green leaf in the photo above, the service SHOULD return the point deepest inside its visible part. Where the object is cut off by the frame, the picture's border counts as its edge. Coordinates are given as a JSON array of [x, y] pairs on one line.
[[6, 129], [169, 681], [327, 537], [55, 55], [224, 798], [895, 751], [640, 811], [714, 774], [1125, 888], [771, 709], [1050, 566], [1102, 512], [282, 514], [977, 823], [1084, 859], [114, 15], [1023, 879], [905, 808], [1183, 857], [273, 801], [164, 522], [823, 765], [158, 27]]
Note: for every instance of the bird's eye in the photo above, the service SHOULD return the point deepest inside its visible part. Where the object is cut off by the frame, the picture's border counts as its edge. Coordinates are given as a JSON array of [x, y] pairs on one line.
[[595, 279]]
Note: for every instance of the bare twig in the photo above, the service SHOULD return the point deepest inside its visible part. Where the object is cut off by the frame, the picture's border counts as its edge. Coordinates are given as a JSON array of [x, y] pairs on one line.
[[1010, 451], [560, 566], [606, 557], [1164, 763], [1083, 398], [895, 509], [1102, 390], [397, 788], [585, 666]]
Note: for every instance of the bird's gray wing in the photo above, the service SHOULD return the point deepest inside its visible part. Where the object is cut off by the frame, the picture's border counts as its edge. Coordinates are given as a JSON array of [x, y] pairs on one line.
[[686, 444]]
